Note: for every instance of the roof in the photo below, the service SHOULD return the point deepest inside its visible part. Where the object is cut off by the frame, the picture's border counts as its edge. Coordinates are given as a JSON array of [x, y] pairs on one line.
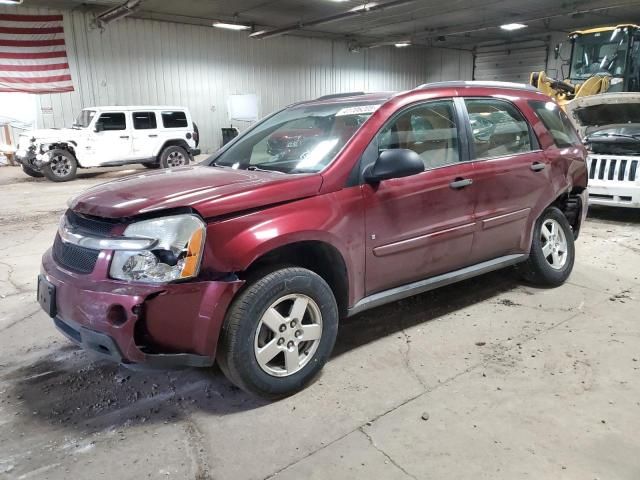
[[477, 84], [128, 108], [602, 29]]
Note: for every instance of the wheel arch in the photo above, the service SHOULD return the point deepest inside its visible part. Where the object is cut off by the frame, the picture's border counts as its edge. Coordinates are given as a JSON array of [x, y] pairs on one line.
[[176, 142]]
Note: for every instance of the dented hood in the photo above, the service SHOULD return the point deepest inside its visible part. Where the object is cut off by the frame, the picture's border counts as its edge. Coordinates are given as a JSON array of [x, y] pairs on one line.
[[211, 191], [597, 111]]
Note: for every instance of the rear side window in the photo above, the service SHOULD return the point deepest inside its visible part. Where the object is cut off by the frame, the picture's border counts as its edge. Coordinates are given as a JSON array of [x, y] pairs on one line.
[[113, 121], [174, 120], [557, 122], [144, 120], [498, 128]]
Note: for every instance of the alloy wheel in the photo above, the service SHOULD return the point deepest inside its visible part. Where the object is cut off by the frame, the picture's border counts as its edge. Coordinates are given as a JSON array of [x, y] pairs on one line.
[[288, 335], [176, 159], [60, 165], [554, 244]]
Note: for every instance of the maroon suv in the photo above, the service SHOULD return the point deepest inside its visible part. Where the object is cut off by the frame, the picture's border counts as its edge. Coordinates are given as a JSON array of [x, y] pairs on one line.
[[251, 258]]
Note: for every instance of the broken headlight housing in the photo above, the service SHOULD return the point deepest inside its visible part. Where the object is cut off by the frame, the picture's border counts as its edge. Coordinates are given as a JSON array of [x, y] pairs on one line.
[[175, 255]]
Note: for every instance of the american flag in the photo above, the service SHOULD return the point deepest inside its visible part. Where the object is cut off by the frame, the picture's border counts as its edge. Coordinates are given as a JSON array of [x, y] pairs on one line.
[[33, 57]]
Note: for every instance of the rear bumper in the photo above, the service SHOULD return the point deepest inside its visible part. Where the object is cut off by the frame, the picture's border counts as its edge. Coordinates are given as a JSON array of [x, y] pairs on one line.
[[158, 325], [194, 152]]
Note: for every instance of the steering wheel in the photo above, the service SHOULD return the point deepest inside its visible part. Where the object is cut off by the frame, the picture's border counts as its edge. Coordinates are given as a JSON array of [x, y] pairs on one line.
[[482, 128]]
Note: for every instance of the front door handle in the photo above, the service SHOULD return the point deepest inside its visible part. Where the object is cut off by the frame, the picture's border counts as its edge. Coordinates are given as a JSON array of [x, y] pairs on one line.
[[459, 183], [537, 166], [124, 136], [153, 136]]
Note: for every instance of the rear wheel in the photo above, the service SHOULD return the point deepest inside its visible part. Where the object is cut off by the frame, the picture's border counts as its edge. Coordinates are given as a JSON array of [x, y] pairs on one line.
[[279, 333], [552, 250], [174, 156], [31, 172], [61, 167]]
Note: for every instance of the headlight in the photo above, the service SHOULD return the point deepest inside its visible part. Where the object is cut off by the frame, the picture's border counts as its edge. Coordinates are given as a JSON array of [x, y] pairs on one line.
[[176, 256]]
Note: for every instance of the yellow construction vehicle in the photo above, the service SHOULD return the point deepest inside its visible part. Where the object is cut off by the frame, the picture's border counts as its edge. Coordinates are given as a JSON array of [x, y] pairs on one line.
[[605, 59]]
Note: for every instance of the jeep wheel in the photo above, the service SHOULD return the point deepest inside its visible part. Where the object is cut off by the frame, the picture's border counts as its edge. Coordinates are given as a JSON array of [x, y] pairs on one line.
[[31, 172], [62, 166], [174, 156], [279, 333], [552, 250]]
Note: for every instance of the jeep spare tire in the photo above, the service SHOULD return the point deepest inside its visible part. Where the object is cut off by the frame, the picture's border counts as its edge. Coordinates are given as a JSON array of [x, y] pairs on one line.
[[62, 166], [174, 156]]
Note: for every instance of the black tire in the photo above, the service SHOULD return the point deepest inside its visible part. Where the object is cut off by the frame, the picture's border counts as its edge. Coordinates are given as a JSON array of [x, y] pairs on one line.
[[538, 268], [173, 154], [62, 167], [236, 355], [31, 172]]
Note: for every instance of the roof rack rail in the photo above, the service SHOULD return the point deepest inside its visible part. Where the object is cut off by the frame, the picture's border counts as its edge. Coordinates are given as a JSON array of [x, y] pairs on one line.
[[340, 95], [477, 83]]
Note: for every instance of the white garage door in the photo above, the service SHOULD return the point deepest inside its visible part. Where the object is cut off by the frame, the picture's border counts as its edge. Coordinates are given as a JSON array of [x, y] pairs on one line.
[[510, 63]]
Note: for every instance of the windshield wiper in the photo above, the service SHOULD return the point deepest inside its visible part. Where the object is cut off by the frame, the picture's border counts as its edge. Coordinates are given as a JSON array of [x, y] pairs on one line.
[[616, 135], [254, 168]]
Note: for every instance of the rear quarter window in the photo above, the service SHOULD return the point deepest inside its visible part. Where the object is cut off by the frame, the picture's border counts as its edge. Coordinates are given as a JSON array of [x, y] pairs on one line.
[[557, 122], [174, 120]]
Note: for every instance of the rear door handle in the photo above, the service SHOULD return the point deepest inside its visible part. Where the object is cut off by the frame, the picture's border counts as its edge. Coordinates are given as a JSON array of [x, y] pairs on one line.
[[537, 166], [459, 183], [124, 136]]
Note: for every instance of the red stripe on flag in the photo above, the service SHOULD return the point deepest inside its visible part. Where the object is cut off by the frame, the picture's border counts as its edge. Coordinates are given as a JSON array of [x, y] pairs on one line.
[[33, 68], [31, 43], [32, 55], [28, 89], [56, 78], [31, 31], [30, 18]]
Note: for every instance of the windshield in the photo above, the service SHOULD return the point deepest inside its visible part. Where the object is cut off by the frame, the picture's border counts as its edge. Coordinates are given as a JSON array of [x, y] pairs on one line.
[[302, 139], [84, 119], [600, 52]]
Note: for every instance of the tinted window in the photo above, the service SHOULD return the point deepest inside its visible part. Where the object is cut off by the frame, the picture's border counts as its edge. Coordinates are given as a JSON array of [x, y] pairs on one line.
[[498, 128], [174, 120], [429, 130], [144, 120], [113, 121], [557, 122]]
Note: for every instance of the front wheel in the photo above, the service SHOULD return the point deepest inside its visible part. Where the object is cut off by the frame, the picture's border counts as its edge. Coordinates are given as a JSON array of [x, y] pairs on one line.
[[61, 167], [552, 250], [279, 333]]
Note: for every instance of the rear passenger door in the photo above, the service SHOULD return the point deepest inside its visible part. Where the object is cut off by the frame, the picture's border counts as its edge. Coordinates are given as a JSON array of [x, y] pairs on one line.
[[511, 175], [145, 134], [422, 225]]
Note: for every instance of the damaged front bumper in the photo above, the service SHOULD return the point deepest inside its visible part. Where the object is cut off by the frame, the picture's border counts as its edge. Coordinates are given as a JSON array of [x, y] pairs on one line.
[[162, 326]]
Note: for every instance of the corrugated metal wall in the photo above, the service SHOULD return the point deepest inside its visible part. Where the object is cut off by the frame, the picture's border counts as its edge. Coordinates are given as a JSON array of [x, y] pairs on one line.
[[150, 62]]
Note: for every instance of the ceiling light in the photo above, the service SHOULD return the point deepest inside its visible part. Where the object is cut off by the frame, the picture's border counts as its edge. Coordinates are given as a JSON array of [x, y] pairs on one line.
[[231, 26], [11, 2], [513, 26], [364, 7], [402, 44]]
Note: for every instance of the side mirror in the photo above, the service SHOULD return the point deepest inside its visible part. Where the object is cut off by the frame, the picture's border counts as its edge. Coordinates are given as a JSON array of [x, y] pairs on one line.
[[99, 127], [395, 163]]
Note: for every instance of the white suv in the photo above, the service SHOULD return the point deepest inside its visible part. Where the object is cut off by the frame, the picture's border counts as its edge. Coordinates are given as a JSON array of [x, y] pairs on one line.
[[108, 137]]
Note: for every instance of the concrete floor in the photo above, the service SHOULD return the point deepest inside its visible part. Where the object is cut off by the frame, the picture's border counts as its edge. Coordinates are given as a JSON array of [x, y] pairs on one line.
[[487, 379]]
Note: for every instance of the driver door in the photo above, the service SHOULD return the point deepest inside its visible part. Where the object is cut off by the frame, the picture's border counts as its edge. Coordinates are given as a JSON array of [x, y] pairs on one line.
[[422, 225], [113, 143]]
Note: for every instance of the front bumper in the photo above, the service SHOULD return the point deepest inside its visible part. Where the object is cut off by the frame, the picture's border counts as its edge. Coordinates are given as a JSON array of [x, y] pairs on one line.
[[161, 326], [614, 194]]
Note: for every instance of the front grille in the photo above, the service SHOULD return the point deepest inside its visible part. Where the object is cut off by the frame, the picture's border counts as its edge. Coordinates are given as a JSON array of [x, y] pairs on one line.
[[614, 168], [75, 258], [92, 226]]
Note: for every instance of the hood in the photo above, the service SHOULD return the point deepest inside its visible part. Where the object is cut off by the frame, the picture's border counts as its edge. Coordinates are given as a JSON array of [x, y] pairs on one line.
[[590, 113], [211, 191], [51, 133]]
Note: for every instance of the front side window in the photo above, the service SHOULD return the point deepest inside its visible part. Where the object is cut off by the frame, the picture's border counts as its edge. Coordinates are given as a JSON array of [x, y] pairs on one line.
[[144, 120], [429, 130], [557, 122], [302, 139], [174, 120], [498, 128], [84, 119], [113, 121]]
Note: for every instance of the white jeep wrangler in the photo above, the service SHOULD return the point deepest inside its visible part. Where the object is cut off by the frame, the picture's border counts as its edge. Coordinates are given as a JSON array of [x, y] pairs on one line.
[[108, 137]]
